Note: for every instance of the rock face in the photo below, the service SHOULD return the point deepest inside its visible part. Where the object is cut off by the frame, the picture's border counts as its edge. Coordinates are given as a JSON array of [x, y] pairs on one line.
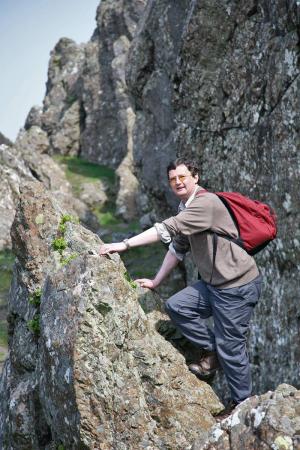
[[61, 117], [27, 161], [87, 110], [86, 105], [219, 82], [105, 98], [94, 372], [259, 423]]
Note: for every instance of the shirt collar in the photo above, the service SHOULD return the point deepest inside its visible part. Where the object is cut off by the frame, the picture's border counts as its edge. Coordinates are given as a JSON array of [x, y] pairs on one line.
[[182, 205]]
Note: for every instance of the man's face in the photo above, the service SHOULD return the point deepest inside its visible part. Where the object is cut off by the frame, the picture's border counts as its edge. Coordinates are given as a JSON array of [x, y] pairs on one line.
[[182, 182]]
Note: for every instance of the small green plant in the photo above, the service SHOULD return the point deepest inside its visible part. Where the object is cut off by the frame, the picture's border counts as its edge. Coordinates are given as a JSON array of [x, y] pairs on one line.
[[35, 298], [130, 281], [65, 261], [59, 244], [60, 447], [64, 219], [34, 324], [71, 99]]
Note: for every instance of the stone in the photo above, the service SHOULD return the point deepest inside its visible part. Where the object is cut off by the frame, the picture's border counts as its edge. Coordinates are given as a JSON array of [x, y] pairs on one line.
[[33, 140], [93, 194], [27, 161], [260, 422], [128, 189], [61, 117], [100, 374], [34, 117]]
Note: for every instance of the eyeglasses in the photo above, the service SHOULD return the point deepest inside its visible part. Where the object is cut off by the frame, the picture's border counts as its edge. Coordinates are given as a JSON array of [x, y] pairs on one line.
[[181, 178]]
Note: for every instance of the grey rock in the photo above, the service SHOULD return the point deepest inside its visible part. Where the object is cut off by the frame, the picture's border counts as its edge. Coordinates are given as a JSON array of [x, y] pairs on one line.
[[34, 117], [261, 422], [27, 161], [105, 97], [93, 193], [33, 140], [100, 375], [61, 117], [5, 140], [219, 83]]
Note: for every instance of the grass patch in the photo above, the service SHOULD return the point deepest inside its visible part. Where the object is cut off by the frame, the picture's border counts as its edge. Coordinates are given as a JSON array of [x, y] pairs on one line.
[[79, 171], [6, 265], [3, 333]]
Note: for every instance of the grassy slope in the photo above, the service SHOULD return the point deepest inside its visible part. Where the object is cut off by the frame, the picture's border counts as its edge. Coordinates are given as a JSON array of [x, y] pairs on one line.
[[6, 264]]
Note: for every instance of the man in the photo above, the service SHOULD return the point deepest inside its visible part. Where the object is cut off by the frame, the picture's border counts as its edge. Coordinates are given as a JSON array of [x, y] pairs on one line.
[[230, 283]]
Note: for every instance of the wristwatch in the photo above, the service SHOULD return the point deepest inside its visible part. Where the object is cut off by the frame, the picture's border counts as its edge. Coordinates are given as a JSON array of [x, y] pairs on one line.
[[125, 241]]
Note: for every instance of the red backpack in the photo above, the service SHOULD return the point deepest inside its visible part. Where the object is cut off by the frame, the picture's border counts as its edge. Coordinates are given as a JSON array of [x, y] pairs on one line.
[[255, 221]]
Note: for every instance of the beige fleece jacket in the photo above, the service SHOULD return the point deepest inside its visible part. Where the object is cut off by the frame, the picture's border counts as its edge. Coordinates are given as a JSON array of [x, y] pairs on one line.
[[192, 229]]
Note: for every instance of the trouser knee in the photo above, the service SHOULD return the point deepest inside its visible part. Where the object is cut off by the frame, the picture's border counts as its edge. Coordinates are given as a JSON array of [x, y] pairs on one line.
[[230, 348], [170, 306]]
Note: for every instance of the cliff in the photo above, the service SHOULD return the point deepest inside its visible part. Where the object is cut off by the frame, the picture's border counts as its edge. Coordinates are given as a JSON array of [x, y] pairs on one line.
[[219, 82]]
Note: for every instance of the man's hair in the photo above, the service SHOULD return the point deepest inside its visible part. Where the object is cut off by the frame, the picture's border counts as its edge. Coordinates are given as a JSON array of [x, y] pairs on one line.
[[191, 165]]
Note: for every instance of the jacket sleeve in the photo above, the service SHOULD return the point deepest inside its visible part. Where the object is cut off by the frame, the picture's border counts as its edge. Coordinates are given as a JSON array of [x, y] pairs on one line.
[[196, 218]]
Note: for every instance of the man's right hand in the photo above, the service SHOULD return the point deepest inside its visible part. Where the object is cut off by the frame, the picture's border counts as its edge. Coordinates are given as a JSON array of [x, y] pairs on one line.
[[146, 283], [117, 247]]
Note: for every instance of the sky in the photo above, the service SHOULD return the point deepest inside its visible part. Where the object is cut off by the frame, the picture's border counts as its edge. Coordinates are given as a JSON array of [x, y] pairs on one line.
[[29, 31]]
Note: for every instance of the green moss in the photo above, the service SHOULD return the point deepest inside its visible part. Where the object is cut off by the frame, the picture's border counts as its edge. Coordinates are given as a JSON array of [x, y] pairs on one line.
[[59, 244], [3, 333], [106, 218], [35, 298], [64, 219], [34, 324], [65, 261], [130, 281], [6, 265], [60, 447], [103, 308], [71, 99]]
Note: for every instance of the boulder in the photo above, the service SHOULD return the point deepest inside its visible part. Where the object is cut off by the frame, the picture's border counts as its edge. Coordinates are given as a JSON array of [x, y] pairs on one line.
[[87, 367], [24, 162], [271, 420]]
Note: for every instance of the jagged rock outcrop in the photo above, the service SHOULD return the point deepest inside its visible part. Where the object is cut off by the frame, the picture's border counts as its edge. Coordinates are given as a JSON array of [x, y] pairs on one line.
[[105, 98], [96, 373], [62, 115], [86, 104], [219, 82], [4, 140], [87, 110], [270, 421], [26, 161]]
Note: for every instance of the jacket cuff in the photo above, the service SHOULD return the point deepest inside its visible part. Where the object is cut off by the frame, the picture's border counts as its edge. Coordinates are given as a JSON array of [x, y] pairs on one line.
[[163, 233]]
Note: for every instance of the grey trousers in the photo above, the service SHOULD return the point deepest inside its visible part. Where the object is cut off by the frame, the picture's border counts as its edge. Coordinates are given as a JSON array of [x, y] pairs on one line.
[[231, 310]]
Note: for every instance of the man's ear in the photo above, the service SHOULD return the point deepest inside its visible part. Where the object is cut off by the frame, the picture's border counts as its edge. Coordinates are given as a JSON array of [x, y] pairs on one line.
[[196, 177]]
